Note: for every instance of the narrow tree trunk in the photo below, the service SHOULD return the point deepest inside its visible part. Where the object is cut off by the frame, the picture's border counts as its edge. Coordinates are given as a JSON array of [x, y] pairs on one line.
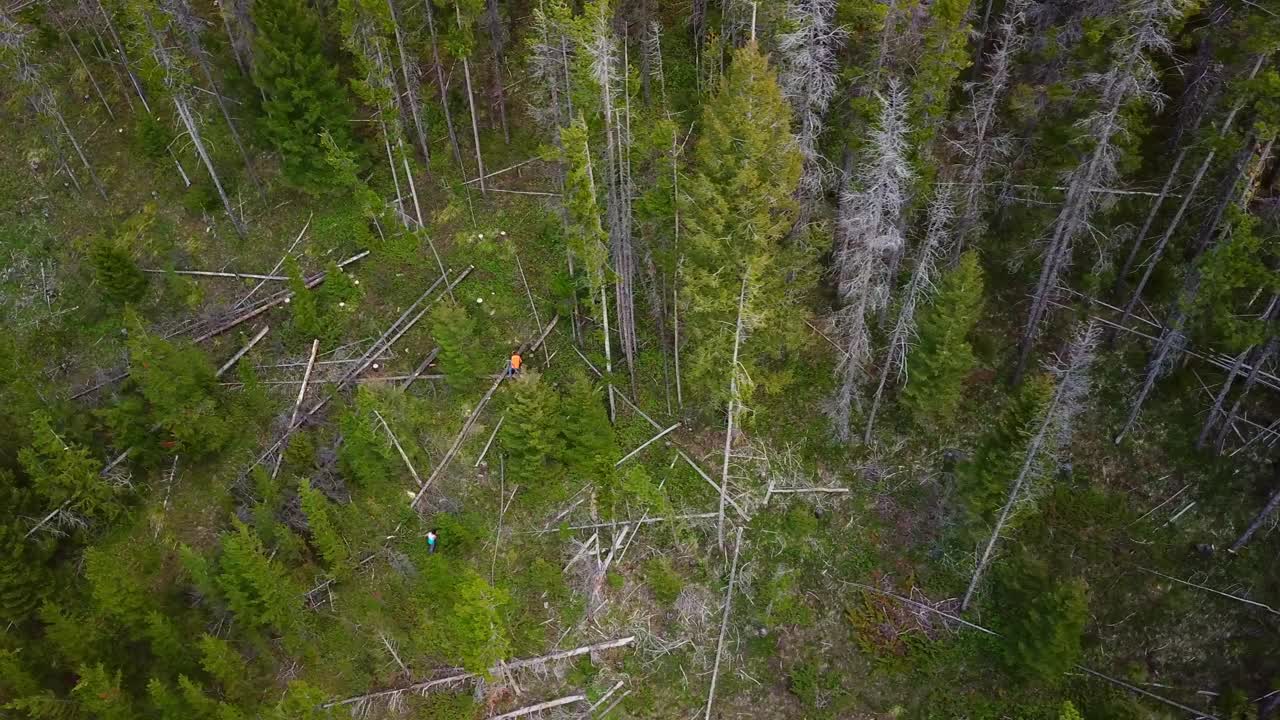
[[410, 85], [1211, 420], [1263, 357], [79, 151], [194, 132], [402, 216], [1138, 239], [124, 58], [1169, 344], [493, 21], [608, 351], [444, 90], [1272, 504], [475, 127], [203, 61], [93, 81], [731, 412]]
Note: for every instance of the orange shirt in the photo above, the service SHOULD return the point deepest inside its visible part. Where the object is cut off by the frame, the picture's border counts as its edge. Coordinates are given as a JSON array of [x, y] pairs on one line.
[[516, 360]]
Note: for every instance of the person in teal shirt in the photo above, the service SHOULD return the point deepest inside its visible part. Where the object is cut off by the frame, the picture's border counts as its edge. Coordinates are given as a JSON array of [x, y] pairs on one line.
[[431, 540]]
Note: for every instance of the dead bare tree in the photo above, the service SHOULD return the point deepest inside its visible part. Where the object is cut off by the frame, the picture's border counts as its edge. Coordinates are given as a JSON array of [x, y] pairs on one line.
[[443, 87], [1072, 376], [1131, 77], [870, 216], [471, 102], [981, 141], [27, 74], [1263, 515], [1157, 253], [808, 79], [409, 73], [732, 410], [178, 82]]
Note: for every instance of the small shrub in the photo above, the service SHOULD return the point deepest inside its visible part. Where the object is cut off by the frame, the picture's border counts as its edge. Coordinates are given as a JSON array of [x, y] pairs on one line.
[[116, 272], [663, 580]]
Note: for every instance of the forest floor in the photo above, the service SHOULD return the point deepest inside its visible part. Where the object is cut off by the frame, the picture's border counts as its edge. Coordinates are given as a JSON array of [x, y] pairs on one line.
[[813, 628]]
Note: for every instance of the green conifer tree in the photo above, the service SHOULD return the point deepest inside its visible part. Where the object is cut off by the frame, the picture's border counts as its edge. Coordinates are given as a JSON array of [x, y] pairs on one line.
[[180, 386], [22, 577], [1045, 618], [531, 434], [63, 472], [983, 480], [590, 448], [224, 664], [98, 692], [943, 357], [116, 272], [301, 702], [462, 355], [740, 206], [585, 234], [255, 587], [303, 94], [471, 630], [324, 529], [1068, 711]]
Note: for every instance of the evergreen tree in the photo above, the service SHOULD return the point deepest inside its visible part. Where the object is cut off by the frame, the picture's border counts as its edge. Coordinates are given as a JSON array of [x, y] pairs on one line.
[[531, 434], [254, 585], [65, 473], [471, 631], [224, 664], [121, 280], [98, 692], [1069, 712], [462, 355], [943, 357], [301, 702], [180, 388], [587, 240], [303, 95], [740, 206], [983, 480], [324, 530], [23, 577], [590, 449], [1044, 619], [304, 305]]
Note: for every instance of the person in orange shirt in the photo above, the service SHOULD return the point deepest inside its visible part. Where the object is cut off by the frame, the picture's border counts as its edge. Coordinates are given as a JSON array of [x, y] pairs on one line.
[[513, 366]]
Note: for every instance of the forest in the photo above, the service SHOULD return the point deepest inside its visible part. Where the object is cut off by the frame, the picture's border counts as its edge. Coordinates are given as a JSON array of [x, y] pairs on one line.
[[496, 359]]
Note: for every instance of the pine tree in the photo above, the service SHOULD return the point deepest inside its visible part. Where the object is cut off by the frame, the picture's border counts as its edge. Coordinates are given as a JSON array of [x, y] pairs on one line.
[[254, 585], [983, 480], [587, 240], [23, 576], [116, 272], [98, 691], [1069, 712], [1045, 617], [590, 449], [303, 95], [180, 387], [301, 702], [943, 357], [65, 473], [224, 664], [740, 206], [323, 526], [462, 354], [471, 631], [531, 434]]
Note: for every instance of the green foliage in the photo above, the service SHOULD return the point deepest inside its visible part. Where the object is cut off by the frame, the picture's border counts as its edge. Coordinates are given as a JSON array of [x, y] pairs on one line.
[[1044, 617], [943, 358], [531, 434], [180, 393], [662, 579], [114, 269], [943, 55], [152, 137], [366, 454], [585, 234], [466, 626], [23, 576], [98, 691], [1069, 712], [303, 95], [438, 706], [324, 529], [65, 473], [224, 664], [323, 312], [1232, 274], [983, 480], [463, 355], [254, 586], [301, 702], [740, 207], [590, 448], [812, 684]]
